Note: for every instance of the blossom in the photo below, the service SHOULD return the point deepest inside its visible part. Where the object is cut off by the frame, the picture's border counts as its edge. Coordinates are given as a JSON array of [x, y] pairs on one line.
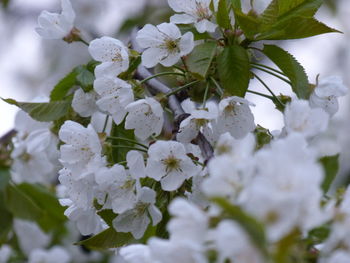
[[233, 244], [112, 53], [169, 164], [299, 117], [235, 117], [55, 254], [81, 152], [164, 44], [56, 26], [194, 11], [136, 220], [118, 188], [146, 117], [115, 95], [137, 254], [84, 103], [192, 125], [326, 93], [284, 195]]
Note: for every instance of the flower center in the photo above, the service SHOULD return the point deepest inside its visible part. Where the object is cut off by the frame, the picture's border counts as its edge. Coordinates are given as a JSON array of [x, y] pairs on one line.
[[117, 57], [171, 45], [171, 164]]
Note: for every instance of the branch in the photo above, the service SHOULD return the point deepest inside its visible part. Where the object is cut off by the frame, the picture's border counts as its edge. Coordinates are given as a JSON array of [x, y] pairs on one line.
[[174, 104]]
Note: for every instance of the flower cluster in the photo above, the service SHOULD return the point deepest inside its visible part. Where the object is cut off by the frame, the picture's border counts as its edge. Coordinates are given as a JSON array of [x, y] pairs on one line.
[[166, 174]]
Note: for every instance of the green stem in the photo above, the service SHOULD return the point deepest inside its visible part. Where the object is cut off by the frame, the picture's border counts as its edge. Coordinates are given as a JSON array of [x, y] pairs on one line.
[[83, 41], [181, 88], [128, 147], [260, 94], [205, 95], [219, 89], [267, 67], [273, 74], [127, 140], [159, 75], [105, 124], [267, 87]]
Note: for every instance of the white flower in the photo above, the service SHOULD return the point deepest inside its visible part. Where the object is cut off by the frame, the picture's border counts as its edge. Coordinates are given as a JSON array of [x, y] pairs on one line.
[[81, 152], [112, 53], [136, 220], [56, 26], [30, 236], [86, 219], [235, 117], [233, 244], [326, 94], [118, 188], [299, 117], [5, 253], [146, 117], [188, 223], [192, 125], [115, 95], [84, 103], [338, 256], [55, 254], [169, 164], [195, 11], [164, 44], [137, 254], [285, 192]]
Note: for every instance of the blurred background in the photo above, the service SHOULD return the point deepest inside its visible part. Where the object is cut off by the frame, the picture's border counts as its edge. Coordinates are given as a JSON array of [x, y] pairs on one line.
[[31, 66]]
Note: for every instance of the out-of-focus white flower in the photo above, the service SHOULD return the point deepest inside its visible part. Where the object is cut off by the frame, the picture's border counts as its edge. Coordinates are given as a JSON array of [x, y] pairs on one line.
[[195, 11], [55, 254], [146, 117], [232, 169], [169, 164], [338, 256], [282, 194], [188, 223], [137, 254], [235, 117], [81, 152], [299, 117], [5, 253], [112, 53], [30, 236], [84, 103], [56, 26], [136, 220], [115, 95], [164, 44], [326, 94], [233, 244], [192, 125], [35, 154]]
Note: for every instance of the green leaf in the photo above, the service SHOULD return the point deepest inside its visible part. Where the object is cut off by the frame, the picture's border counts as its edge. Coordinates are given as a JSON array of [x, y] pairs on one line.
[[62, 88], [4, 178], [108, 238], [250, 25], [85, 79], [223, 16], [236, 4], [296, 27], [263, 136], [5, 220], [46, 111], [199, 61], [280, 10], [291, 68], [21, 205], [197, 36], [253, 228], [331, 167], [234, 70], [107, 215]]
